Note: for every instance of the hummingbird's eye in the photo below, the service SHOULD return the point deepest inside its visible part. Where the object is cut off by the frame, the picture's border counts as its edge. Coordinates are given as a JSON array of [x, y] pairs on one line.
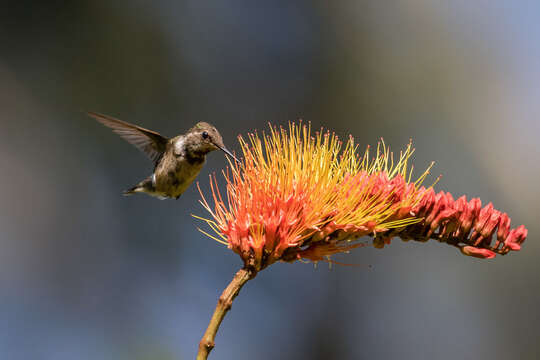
[[205, 135]]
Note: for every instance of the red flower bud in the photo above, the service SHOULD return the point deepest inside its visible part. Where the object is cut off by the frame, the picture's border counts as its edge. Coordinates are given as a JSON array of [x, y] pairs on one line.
[[478, 253]]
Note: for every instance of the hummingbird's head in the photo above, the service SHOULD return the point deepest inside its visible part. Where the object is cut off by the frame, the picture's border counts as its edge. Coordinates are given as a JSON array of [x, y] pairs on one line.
[[203, 138]]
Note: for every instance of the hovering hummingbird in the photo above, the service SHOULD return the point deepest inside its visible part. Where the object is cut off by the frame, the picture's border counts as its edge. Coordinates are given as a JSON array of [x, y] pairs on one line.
[[177, 161]]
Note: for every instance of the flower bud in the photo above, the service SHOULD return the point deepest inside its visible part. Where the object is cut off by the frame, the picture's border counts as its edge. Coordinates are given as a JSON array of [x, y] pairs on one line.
[[477, 253]]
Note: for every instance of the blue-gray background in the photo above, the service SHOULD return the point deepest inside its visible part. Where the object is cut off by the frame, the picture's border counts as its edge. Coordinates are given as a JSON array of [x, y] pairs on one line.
[[88, 274]]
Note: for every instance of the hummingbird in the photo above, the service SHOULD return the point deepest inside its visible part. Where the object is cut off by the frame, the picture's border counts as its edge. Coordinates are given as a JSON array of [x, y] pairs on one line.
[[177, 161]]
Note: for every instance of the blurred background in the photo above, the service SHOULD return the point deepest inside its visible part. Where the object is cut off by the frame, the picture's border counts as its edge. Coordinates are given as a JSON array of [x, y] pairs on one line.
[[86, 273]]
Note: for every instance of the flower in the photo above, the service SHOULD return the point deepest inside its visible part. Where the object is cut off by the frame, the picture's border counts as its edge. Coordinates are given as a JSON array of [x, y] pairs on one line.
[[298, 195], [463, 224]]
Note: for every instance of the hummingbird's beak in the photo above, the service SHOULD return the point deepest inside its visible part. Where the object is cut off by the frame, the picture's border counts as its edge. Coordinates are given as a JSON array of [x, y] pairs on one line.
[[222, 148]]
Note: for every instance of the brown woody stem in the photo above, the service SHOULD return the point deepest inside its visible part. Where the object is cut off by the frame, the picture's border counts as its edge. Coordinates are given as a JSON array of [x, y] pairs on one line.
[[223, 306]]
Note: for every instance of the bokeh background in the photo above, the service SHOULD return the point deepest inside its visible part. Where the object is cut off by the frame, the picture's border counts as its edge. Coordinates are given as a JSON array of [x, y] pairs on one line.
[[88, 274]]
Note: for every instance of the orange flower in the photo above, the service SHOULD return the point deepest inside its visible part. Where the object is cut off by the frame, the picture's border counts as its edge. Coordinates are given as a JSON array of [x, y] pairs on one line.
[[302, 195], [296, 195]]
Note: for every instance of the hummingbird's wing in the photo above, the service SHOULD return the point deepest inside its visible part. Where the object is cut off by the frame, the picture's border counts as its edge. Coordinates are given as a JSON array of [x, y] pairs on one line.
[[149, 142]]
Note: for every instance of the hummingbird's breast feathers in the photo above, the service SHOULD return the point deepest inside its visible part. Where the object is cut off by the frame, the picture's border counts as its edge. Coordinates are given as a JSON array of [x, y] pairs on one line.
[[176, 170], [179, 145]]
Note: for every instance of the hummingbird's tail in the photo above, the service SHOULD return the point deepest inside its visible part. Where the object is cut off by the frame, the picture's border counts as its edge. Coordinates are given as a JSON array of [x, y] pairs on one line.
[[131, 191], [145, 186]]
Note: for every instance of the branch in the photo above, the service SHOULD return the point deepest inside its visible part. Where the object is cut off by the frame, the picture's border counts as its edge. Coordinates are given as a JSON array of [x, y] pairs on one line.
[[223, 306]]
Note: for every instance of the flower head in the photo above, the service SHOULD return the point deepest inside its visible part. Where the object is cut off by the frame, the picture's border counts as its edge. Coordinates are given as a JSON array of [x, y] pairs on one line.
[[298, 195]]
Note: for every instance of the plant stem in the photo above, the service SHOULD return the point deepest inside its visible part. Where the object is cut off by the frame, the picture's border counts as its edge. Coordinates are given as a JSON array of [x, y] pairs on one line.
[[223, 306]]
